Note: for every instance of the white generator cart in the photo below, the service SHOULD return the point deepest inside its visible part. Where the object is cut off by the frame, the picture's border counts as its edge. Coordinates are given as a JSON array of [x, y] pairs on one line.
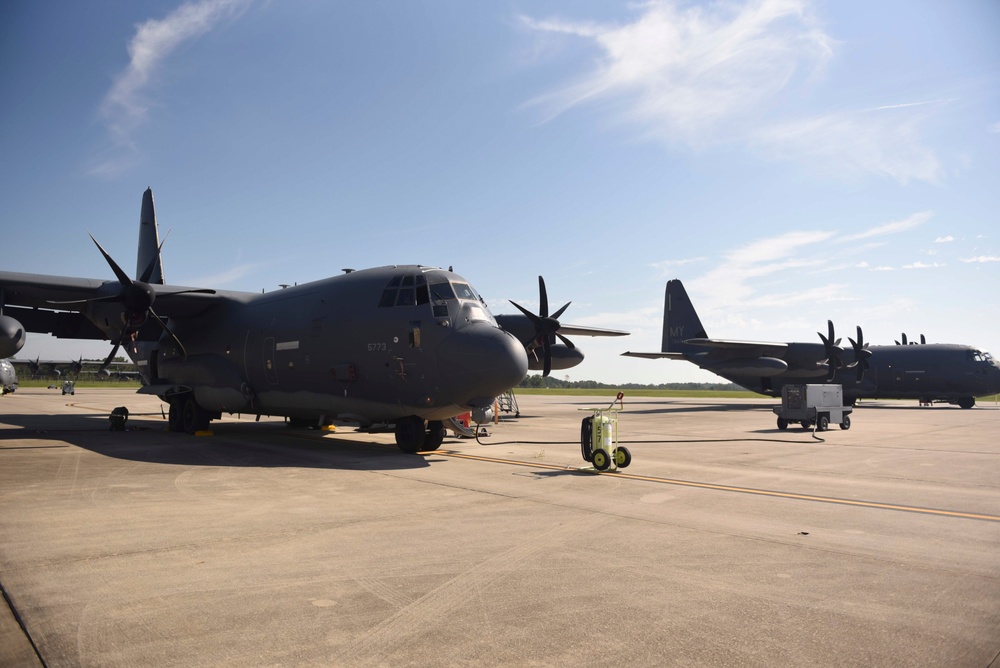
[[810, 405], [599, 438]]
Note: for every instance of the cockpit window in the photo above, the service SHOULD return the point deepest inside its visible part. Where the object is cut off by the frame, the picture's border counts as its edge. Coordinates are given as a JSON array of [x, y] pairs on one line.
[[415, 290], [441, 291], [464, 291]]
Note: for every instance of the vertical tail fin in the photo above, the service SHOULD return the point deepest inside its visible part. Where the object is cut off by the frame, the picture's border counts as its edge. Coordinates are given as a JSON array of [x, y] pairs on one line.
[[680, 320], [149, 241]]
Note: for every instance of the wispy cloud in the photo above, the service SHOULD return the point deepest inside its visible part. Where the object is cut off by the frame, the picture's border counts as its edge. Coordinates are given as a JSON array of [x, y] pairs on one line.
[[729, 282], [886, 142], [125, 107], [686, 73], [944, 240], [667, 266], [924, 265], [230, 276], [723, 72], [982, 259], [735, 282], [892, 227]]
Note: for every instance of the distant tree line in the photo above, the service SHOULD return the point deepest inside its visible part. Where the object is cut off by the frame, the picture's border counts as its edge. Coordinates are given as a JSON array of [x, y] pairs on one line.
[[550, 382]]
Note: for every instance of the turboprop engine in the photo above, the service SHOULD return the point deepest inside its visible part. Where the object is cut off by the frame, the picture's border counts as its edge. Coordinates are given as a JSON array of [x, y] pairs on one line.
[[11, 336]]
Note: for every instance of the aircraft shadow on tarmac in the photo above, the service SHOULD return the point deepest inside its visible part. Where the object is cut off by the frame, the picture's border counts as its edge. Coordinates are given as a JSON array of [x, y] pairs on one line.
[[233, 444]]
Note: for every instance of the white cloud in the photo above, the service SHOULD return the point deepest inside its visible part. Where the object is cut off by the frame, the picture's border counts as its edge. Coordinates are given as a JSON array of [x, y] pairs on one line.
[[124, 107], [722, 72], [892, 227], [666, 266], [851, 142], [728, 283], [686, 74], [923, 265], [944, 240], [982, 259]]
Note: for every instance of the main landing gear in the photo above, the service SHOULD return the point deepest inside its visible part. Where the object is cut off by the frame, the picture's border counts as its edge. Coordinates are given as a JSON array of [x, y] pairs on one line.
[[414, 435], [186, 415]]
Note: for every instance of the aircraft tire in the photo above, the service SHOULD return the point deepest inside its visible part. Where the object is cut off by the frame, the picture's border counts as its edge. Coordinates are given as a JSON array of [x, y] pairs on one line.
[[174, 416], [435, 435], [782, 424], [193, 417], [967, 402], [601, 460], [410, 434]]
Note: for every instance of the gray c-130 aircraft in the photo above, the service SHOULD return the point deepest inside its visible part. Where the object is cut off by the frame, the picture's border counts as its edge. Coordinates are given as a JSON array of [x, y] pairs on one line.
[[407, 344], [929, 372]]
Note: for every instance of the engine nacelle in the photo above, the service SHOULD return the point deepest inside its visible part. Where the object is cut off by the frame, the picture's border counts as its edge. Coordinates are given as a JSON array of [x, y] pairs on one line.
[[12, 336], [563, 357], [755, 366]]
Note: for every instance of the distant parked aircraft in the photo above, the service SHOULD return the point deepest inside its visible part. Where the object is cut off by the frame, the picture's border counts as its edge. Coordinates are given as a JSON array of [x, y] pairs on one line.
[[929, 372]]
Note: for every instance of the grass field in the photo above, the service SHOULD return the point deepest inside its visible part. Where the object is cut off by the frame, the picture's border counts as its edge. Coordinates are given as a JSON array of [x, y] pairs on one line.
[[577, 392]]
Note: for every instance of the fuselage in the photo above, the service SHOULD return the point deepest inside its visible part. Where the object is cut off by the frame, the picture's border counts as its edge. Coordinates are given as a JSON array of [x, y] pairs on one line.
[[370, 345]]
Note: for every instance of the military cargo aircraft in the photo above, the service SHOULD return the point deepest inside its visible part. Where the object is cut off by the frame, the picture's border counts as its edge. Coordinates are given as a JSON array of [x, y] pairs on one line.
[[929, 372], [406, 344], [39, 368]]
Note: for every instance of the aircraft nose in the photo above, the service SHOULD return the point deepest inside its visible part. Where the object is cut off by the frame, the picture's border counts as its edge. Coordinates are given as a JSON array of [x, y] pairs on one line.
[[483, 362]]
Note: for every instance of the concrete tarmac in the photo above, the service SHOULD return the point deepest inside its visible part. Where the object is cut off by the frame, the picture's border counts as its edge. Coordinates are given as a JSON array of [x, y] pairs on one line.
[[725, 542]]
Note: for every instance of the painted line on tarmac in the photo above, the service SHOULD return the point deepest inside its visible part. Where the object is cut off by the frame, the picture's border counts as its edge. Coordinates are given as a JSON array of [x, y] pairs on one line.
[[725, 488]]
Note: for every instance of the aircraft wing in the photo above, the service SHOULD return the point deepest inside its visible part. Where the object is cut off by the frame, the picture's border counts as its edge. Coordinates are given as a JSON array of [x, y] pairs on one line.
[[655, 356], [765, 348], [56, 304], [579, 330]]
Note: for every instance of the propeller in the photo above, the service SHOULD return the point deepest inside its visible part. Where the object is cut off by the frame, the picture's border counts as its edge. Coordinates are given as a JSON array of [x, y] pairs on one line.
[[832, 349], [137, 297], [546, 326], [861, 355], [923, 341], [76, 367]]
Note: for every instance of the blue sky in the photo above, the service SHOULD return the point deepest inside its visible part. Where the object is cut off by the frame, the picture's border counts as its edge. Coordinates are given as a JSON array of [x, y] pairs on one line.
[[790, 161]]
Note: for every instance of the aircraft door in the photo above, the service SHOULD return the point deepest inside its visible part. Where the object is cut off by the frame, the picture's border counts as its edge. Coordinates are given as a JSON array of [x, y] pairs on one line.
[[270, 372]]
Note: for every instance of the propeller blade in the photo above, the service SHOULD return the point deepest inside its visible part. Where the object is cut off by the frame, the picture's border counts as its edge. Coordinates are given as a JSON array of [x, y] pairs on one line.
[[144, 276], [861, 355], [555, 316], [535, 320], [923, 341], [122, 276], [569, 344], [832, 350], [543, 299], [171, 334], [114, 351]]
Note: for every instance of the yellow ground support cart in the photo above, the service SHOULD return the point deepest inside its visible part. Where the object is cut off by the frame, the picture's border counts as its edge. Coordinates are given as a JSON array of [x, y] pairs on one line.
[[599, 438]]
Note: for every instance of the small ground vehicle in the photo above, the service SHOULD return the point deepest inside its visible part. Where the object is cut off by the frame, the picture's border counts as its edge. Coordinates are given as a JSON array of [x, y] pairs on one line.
[[599, 438], [68, 387], [810, 405]]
